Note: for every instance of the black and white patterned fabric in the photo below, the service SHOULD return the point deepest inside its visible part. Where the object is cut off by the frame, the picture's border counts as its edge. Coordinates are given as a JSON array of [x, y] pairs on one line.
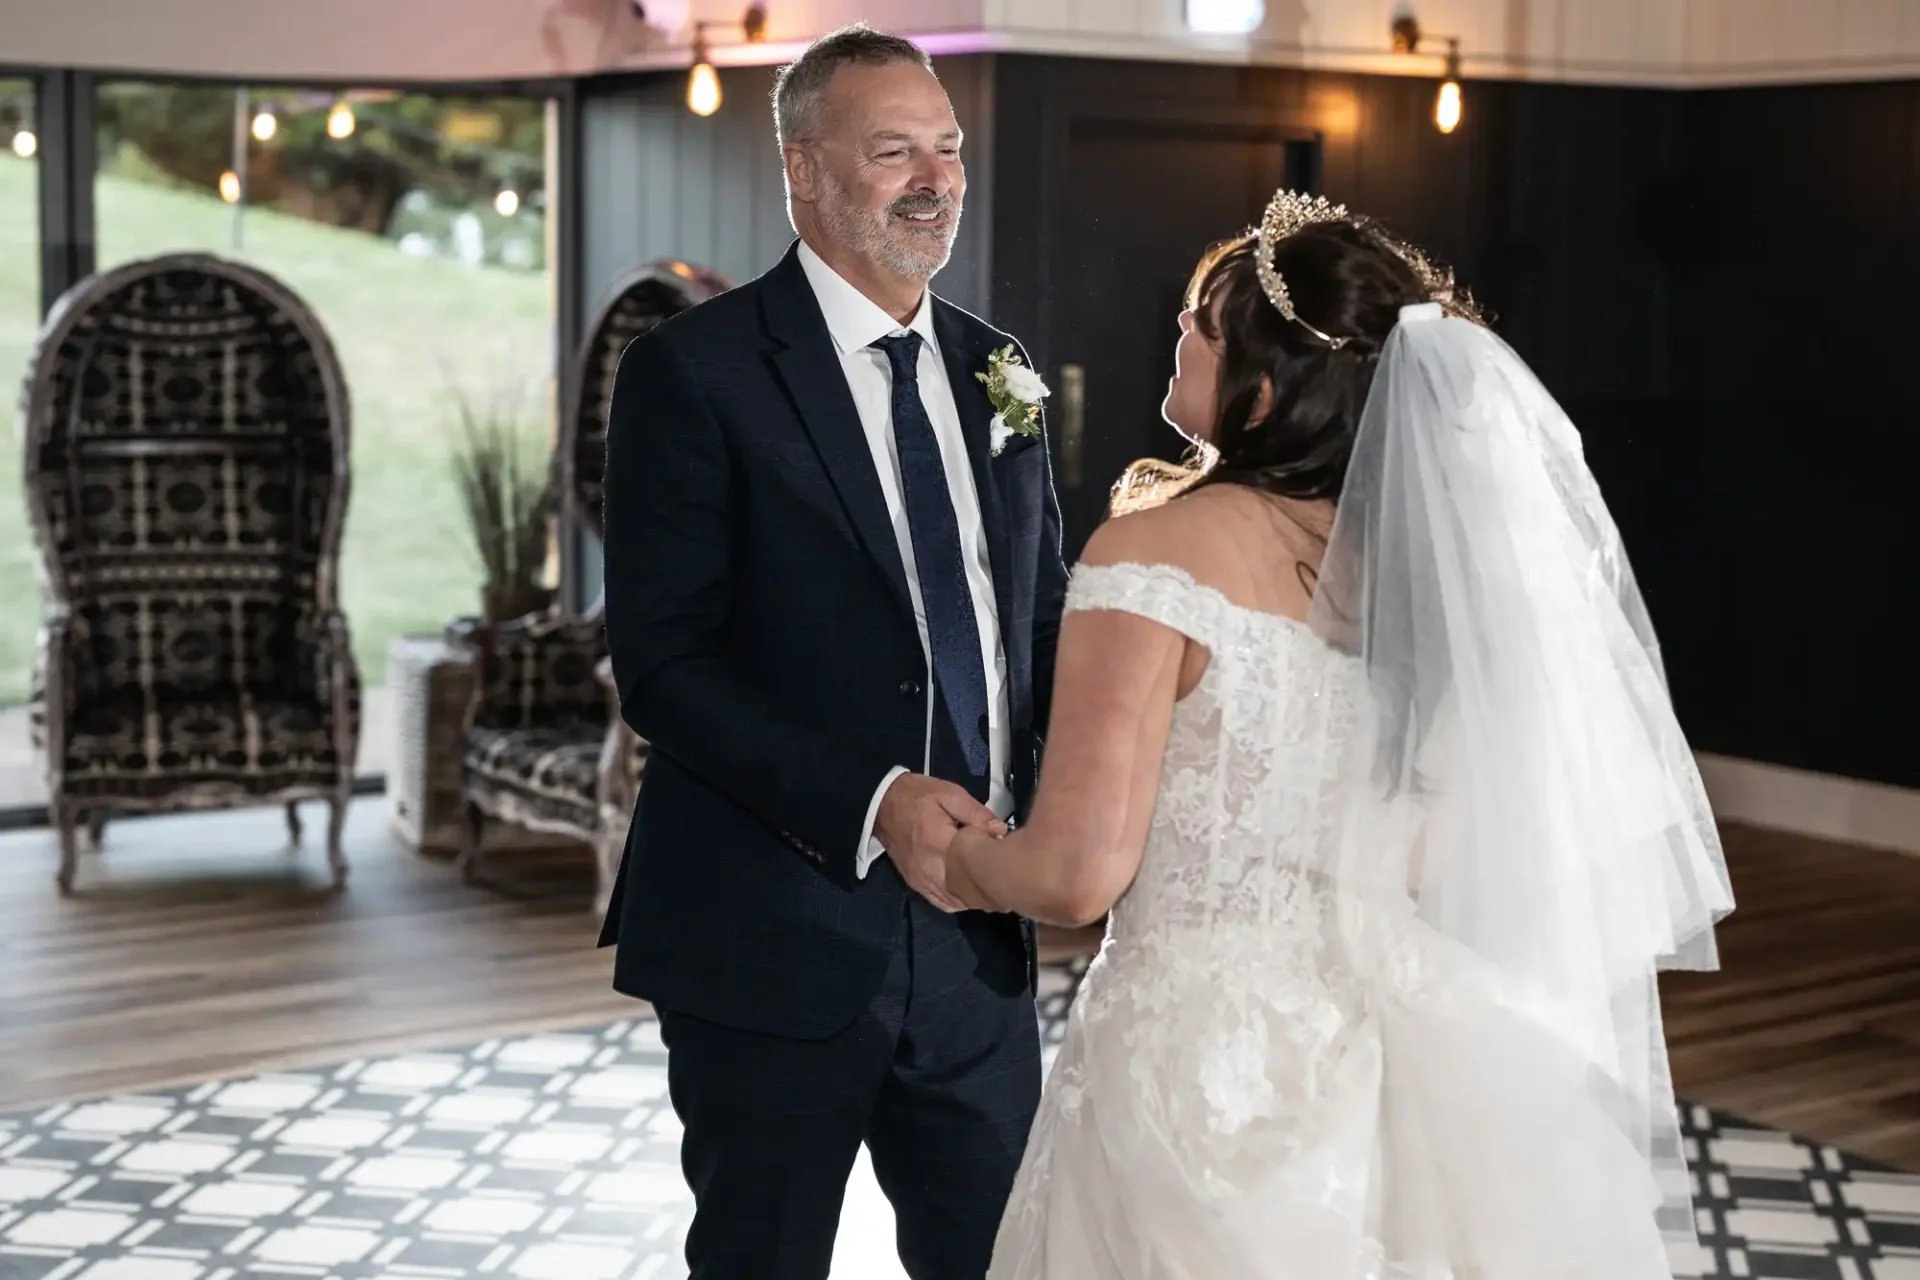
[[186, 471], [555, 1157], [554, 774], [634, 305], [539, 722]]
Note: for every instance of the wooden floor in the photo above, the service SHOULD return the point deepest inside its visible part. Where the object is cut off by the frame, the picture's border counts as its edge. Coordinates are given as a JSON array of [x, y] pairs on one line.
[[1813, 1022], [201, 947]]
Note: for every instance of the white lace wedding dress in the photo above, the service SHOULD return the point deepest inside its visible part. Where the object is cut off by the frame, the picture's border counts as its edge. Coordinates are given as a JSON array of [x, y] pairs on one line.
[[1253, 1085]]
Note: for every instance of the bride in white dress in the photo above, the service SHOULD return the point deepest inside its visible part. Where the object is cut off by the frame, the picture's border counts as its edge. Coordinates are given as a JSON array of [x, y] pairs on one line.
[[1363, 741]]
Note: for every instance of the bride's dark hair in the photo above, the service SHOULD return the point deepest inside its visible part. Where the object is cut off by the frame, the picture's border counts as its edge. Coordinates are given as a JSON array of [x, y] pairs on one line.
[[1347, 279]]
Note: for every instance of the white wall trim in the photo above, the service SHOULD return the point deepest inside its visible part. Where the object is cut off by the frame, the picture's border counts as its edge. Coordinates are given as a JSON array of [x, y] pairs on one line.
[[1812, 804], [1481, 65], [376, 41]]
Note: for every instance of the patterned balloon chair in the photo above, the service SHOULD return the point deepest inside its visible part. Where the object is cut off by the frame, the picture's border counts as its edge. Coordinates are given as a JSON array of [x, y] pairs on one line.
[[186, 428], [545, 747]]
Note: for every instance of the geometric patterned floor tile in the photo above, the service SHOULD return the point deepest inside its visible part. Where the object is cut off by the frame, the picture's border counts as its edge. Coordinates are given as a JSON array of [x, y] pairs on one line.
[[555, 1157], [1770, 1205]]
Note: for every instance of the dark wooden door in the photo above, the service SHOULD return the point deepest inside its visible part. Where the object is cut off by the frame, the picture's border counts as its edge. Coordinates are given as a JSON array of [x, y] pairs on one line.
[[1140, 202]]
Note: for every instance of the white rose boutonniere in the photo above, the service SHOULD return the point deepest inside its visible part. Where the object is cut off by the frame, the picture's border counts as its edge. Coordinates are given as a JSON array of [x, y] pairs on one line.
[[1016, 392]]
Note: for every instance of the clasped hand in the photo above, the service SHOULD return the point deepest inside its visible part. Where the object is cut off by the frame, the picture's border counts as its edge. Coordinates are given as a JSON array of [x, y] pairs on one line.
[[918, 821]]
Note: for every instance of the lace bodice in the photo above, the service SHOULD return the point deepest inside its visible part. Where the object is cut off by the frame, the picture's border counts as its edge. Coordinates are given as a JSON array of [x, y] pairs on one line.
[[1218, 958], [1243, 817]]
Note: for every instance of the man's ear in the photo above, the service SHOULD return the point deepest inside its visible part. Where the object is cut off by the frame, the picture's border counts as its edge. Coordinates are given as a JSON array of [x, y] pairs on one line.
[[803, 172]]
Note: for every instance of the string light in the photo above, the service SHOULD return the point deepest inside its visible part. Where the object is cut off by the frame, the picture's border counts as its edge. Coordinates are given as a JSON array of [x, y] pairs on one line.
[[25, 143], [230, 187], [340, 121], [265, 125]]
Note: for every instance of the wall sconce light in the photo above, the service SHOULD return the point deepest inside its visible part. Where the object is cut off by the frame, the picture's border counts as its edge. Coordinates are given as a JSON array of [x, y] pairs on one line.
[[703, 82], [1448, 104]]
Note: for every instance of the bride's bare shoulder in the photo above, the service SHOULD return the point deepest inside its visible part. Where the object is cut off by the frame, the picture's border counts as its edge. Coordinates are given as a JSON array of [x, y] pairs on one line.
[[1189, 531], [1226, 536]]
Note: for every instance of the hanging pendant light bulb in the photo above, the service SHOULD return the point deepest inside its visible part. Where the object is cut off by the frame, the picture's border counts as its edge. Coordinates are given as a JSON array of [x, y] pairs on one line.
[[703, 82], [25, 144], [507, 202], [340, 121], [265, 125], [1447, 106]]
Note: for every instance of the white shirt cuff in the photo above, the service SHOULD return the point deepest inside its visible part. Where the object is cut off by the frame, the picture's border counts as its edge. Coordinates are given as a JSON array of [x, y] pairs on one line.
[[870, 850]]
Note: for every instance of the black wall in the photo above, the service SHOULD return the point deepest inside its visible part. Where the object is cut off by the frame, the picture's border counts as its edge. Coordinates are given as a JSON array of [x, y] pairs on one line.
[[1791, 489], [1546, 202], [1716, 285]]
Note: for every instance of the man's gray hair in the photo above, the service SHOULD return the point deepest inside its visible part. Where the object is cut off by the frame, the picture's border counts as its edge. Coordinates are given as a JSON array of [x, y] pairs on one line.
[[802, 84]]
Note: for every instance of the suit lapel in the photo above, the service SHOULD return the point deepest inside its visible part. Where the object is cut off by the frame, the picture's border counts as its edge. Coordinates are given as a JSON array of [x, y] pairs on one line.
[[964, 360], [809, 365]]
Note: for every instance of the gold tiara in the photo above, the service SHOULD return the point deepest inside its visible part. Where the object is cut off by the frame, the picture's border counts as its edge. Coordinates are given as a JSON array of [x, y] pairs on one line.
[[1290, 211]]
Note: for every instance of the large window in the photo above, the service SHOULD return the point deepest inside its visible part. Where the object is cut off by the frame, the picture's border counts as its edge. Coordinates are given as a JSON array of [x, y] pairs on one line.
[[20, 775], [415, 227], [19, 317]]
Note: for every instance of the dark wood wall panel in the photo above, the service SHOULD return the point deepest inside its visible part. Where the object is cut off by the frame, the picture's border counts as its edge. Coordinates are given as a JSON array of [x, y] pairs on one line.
[[661, 182], [1714, 284], [1794, 346], [1542, 202]]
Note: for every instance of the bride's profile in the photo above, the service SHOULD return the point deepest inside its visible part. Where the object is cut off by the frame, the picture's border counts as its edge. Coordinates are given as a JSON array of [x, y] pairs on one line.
[[1362, 743]]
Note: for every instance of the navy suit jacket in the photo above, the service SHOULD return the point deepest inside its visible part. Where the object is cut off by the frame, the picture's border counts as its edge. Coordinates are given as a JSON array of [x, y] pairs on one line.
[[764, 645]]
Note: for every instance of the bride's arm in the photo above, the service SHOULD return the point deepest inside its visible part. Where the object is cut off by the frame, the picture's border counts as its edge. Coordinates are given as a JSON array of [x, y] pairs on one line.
[[1115, 683], [1114, 687]]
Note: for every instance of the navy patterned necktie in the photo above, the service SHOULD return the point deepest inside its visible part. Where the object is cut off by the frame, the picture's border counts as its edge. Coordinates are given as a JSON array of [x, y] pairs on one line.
[[960, 752]]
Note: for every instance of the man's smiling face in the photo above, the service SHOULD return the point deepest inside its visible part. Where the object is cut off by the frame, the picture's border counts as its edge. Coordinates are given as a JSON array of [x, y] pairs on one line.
[[889, 178]]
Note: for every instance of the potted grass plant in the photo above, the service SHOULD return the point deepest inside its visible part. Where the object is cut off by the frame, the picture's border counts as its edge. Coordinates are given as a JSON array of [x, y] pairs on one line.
[[504, 473]]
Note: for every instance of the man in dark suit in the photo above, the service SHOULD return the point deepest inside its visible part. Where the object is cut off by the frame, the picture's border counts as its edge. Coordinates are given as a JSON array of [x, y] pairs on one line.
[[833, 593]]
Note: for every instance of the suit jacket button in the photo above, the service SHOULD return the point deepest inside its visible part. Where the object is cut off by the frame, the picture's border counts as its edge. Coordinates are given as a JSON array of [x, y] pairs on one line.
[[909, 688]]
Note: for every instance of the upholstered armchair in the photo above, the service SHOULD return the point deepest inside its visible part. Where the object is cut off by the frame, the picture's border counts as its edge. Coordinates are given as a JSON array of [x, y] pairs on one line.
[[186, 428], [545, 748]]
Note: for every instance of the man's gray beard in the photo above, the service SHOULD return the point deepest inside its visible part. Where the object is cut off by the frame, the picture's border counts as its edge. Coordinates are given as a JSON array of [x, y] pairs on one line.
[[874, 237]]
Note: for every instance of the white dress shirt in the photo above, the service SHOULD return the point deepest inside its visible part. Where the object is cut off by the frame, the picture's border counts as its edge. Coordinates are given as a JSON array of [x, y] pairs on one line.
[[856, 322]]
